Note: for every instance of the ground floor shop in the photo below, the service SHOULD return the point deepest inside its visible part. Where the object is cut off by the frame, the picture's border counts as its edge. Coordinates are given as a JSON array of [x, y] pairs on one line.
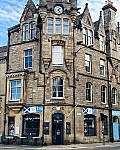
[[59, 124]]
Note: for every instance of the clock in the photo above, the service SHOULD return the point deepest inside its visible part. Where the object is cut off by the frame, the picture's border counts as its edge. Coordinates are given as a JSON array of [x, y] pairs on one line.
[[58, 9]]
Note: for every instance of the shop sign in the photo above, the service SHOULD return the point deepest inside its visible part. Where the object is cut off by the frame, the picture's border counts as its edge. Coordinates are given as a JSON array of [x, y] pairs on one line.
[[90, 111], [115, 113], [35, 109]]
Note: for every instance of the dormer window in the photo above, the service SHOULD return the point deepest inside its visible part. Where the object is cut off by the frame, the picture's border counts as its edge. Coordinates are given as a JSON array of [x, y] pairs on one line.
[[90, 37], [25, 32], [101, 43], [85, 36], [32, 30]]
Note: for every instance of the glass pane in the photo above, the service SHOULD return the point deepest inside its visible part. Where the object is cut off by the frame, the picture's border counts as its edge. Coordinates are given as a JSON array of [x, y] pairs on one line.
[[13, 96], [26, 53], [30, 52], [13, 83], [18, 83]]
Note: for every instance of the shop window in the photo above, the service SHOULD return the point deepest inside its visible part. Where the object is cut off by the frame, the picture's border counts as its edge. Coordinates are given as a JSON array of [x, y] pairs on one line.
[[65, 26], [89, 125], [90, 37], [57, 87], [101, 43], [105, 125], [11, 122], [58, 26], [31, 125], [32, 30], [102, 67], [57, 55], [88, 63], [25, 32], [103, 94], [28, 59], [15, 90], [85, 36], [113, 96], [89, 92], [50, 25]]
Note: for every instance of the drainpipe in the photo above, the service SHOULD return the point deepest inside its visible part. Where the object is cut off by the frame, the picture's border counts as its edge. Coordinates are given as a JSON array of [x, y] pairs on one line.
[[110, 104], [40, 26]]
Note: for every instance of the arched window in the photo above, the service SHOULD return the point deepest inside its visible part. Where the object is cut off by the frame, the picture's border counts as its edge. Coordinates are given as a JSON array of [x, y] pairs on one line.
[[89, 125], [31, 125], [114, 95], [57, 90], [89, 92], [85, 36], [32, 30], [103, 94], [90, 37], [25, 32]]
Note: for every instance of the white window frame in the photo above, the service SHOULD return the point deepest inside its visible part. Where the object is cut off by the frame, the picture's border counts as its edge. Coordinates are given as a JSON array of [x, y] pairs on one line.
[[103, 86], [58, 90], [50, 22], [65, 26], [25, 32], [57, 55], [102, 43], [16, 89], [32, 29], [28, 57], [90, 37], [114, 93], [58, 26], [102, 65], [88, 60], [85, 35], [89, 88]]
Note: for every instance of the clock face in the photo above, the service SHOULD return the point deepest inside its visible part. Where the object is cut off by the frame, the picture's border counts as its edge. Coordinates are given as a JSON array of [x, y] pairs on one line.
[[58, 9]]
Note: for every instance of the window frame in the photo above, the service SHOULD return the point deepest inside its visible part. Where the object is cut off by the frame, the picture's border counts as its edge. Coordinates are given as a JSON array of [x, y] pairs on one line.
[[85, 35], [102, 61], [32, 29], [105, 123], [102, 93], [57, 97], [89, 92], [65, 25], [58, 26], [50, 25], [25, 32], [9, 118], [114, 94], [88, 61], [28, 57], [90, 37], [101, 43]]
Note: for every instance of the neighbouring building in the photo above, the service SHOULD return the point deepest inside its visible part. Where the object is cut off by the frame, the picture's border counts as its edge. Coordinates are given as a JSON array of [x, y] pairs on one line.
[[63, 74], [3, 67]]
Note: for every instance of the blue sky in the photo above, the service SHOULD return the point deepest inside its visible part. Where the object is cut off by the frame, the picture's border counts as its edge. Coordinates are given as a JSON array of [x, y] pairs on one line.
[[11, 10]]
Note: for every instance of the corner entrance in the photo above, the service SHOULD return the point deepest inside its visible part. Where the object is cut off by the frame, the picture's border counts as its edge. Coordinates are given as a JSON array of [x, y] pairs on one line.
[[57, 129]]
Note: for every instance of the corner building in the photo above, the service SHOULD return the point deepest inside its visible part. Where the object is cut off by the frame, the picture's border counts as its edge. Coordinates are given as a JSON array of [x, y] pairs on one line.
[[61, 75]]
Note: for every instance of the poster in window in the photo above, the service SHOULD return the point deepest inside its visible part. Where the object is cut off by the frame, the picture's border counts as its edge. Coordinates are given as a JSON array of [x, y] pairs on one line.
[[46, 128], [68, 127]]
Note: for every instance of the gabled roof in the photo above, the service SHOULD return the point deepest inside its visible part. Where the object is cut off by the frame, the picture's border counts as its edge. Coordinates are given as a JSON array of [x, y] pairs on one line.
[[77, 22], [3, 49]]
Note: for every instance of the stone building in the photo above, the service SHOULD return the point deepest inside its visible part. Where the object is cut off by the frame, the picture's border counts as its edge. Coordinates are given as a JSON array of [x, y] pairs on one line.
[[63, 74], [3, 64]]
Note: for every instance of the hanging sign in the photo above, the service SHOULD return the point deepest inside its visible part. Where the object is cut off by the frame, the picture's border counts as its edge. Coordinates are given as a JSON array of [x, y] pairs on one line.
[[35, 109], [90, 111]]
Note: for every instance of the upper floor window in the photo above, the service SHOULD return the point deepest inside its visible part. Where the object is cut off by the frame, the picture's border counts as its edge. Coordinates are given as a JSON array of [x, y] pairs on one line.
[[88, 63], [28, 58], [102, 67], [90, 37], [58, 26], [65, 26], [57, 90], [114, 95], [89, 92], [50, 25], [25, 32], [57, 55], [103, 94], [32, 30], [101, 43], [84, 35], [15, 90]]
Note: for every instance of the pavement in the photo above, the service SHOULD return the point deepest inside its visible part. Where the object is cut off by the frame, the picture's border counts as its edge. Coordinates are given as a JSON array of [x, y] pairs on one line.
[[115, 145]]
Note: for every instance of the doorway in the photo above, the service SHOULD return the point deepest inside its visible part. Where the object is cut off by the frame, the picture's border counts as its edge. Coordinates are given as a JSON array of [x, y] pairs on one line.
[[57, 129], [115, 128]]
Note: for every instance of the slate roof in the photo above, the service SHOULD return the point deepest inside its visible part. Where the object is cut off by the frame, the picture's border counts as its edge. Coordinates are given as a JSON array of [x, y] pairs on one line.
[[77, 22], [3, 49]]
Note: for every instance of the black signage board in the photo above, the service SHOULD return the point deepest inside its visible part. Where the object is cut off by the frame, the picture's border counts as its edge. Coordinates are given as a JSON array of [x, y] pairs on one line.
[[46, 128], [68, 127]]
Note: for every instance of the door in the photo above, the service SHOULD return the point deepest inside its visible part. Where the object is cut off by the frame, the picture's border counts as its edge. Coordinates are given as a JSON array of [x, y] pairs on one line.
[[115, 128], [57, 129]]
